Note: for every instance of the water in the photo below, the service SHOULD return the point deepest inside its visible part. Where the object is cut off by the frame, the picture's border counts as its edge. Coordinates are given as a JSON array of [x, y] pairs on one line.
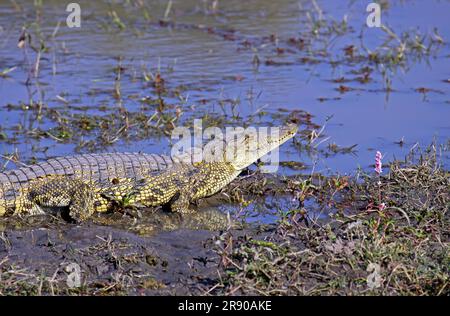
[[206, 58]]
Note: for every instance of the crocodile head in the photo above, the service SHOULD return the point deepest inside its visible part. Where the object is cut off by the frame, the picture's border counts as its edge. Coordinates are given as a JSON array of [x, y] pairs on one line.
[[252, 144], [240, 148]]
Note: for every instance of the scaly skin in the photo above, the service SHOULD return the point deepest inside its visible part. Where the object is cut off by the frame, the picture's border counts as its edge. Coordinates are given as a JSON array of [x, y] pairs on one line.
[[95, 171], [178, 185]]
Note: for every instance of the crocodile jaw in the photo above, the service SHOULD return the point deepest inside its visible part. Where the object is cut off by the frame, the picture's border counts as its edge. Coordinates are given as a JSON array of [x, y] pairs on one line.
[[251, 147]]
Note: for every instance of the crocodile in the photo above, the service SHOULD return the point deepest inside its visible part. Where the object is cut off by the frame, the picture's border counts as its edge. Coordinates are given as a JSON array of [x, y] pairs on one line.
[[89, 183]]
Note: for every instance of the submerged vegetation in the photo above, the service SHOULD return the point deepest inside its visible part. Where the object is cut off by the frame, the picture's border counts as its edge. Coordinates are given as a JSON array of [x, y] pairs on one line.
[[135, 102]]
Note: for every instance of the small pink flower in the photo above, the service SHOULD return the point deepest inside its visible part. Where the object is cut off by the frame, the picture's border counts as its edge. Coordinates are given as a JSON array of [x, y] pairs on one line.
[[378, 163], [382, 206]]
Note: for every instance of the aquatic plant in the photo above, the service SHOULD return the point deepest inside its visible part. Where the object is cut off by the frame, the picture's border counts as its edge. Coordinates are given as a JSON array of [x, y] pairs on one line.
[[379, 170]]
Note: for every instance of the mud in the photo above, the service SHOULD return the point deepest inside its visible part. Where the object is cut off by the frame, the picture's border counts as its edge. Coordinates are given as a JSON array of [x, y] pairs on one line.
[[111, 260]]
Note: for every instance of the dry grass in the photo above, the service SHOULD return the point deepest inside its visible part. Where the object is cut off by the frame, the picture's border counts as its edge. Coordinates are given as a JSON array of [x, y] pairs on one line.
[[402, 250]]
